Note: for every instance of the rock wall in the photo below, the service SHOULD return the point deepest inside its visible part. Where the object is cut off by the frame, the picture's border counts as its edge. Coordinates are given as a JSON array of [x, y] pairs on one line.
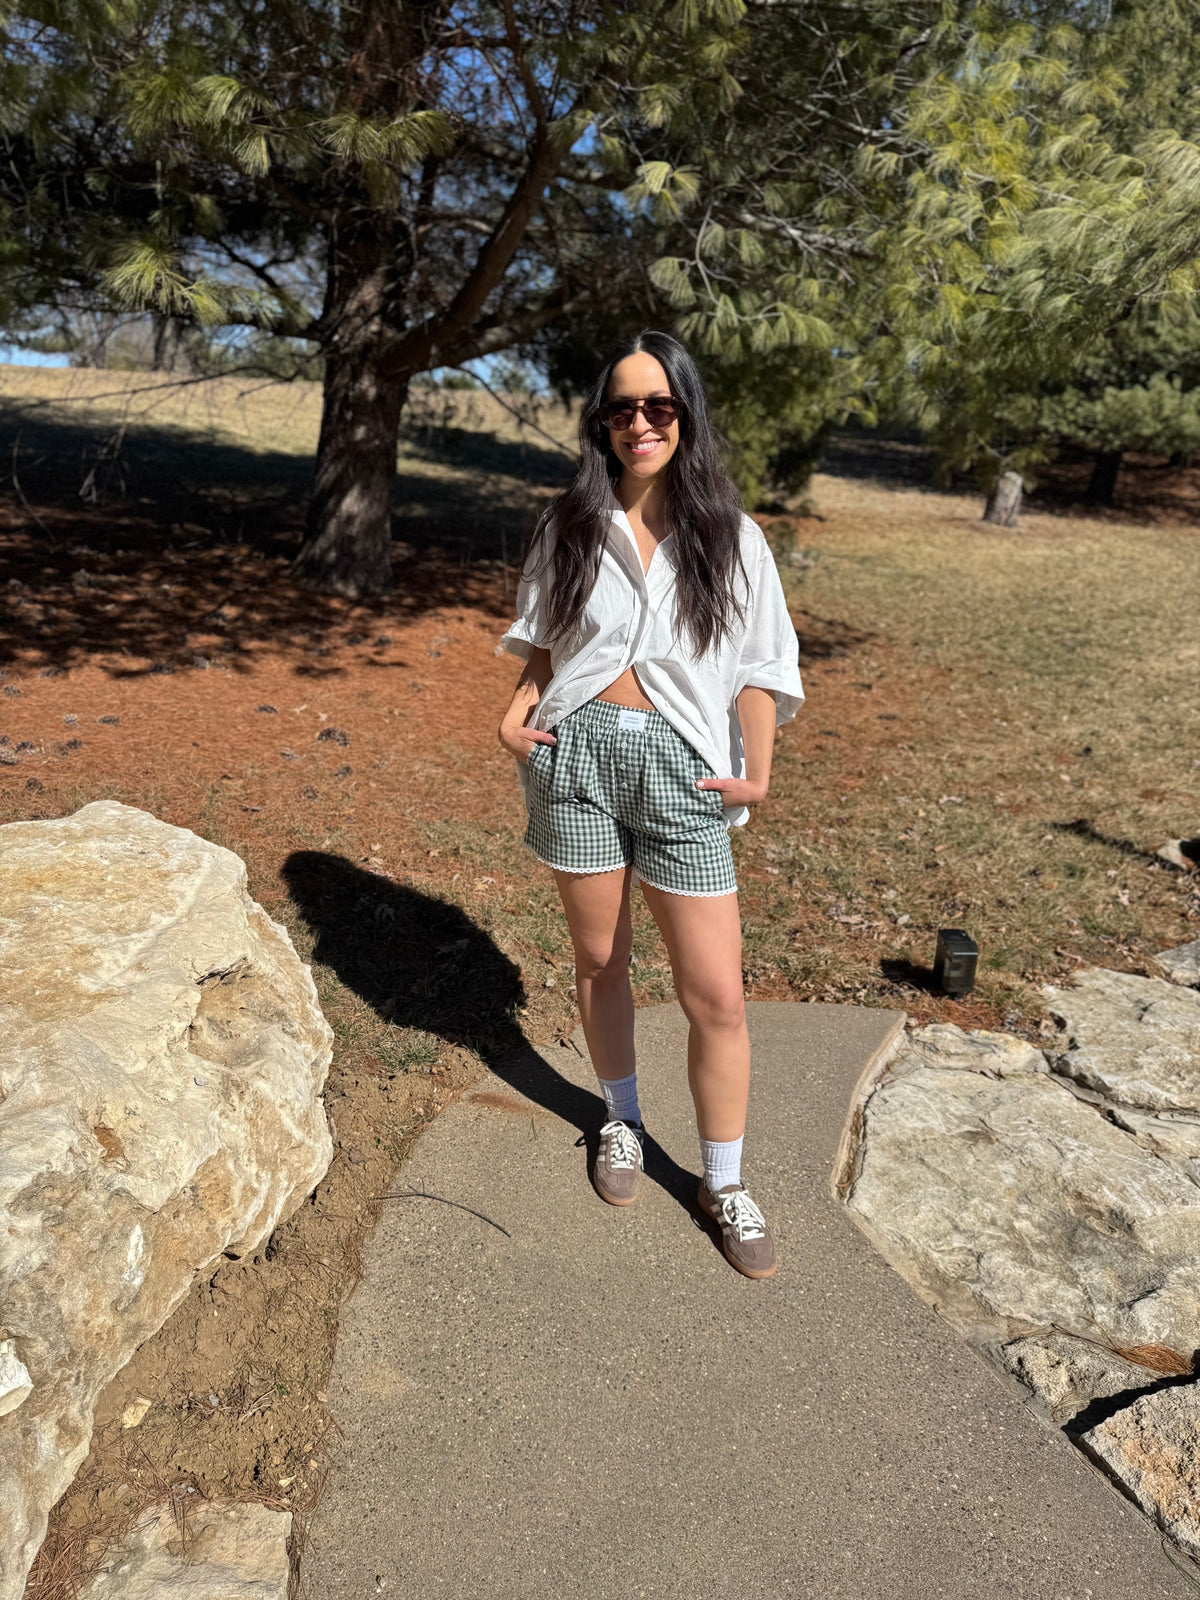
[[160, 1082], [1048, 1205]]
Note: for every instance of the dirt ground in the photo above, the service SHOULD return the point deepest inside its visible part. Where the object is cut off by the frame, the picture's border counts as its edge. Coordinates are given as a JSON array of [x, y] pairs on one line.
[[1002, 727]]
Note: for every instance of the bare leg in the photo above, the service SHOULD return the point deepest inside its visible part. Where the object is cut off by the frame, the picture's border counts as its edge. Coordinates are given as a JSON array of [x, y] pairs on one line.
[[703, 935], [597, 907]]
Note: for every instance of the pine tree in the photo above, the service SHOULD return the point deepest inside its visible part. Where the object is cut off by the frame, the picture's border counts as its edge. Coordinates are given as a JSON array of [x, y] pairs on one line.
[[1139, 390], [405, 186], [917, 204], [1068, 210], [940, 226]]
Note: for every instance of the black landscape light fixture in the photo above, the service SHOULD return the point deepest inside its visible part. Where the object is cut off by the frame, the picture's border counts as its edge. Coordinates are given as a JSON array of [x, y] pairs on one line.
[[955, 959]]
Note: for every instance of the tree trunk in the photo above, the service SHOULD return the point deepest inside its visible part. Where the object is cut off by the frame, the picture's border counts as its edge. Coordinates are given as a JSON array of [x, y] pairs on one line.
[[1004, 503], [348, 547], [1103, 486]]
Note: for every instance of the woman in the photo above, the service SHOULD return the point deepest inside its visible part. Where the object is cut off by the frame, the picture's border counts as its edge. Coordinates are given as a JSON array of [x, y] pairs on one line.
[[659, 660]]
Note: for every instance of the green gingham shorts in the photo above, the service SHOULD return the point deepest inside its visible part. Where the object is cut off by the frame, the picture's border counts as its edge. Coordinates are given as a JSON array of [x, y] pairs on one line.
[[606, 795]]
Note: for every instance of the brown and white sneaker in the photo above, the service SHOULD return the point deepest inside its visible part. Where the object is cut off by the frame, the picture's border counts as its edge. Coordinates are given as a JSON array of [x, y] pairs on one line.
[[618, 1169], [745, 1237]]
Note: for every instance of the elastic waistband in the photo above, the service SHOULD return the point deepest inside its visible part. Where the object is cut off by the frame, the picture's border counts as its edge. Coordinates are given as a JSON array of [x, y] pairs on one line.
[[603, 716]]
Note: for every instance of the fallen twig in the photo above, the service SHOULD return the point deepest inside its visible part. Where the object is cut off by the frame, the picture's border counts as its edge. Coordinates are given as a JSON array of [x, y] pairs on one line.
[[423, 1194], [268, 1395]]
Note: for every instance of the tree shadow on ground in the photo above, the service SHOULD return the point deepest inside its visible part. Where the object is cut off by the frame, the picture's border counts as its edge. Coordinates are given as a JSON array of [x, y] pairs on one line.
[[422, 963], [1150, 490], [220, 485], [902, 461], [827, 638], [160, 550], [164, 546], [183, 559], [1084, 828]]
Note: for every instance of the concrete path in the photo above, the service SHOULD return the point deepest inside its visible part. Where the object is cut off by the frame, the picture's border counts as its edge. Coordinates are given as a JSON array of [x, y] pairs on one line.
[[593, 1403]]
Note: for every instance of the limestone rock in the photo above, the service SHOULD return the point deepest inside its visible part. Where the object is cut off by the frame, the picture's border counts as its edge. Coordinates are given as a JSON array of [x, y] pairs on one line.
[[1182, 965], [160, 1083], [1153, 1448], [15, 1387], [1173, 1138], [1067, 1374], [1013, 1206], [1055, 1218], [217, 1552], [996, 1055], [136, 1411], [1136, 1041]]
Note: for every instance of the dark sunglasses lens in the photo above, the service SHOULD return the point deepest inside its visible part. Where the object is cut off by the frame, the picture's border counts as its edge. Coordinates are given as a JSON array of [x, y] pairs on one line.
[[617, 416], [660, 413]]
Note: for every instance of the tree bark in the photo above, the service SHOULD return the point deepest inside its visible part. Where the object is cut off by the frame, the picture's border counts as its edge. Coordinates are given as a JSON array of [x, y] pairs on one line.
[[1103, 485], [1004, 503], [348, 547]]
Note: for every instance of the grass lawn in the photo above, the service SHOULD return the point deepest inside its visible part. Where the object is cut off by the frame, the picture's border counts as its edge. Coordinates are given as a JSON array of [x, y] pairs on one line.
[[1010, 733]]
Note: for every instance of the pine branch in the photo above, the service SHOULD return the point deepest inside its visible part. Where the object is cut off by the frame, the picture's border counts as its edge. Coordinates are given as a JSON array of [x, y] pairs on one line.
[[829, 244], [431, 344]]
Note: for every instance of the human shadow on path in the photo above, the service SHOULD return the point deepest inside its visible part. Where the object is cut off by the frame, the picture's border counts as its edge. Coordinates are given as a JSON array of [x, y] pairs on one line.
[[423, 963]]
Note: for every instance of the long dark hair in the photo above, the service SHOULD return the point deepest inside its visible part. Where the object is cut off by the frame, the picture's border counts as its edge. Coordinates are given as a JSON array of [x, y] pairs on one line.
[[703, 509]]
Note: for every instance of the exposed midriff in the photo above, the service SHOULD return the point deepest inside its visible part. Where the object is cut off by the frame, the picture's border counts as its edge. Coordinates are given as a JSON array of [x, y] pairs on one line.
[[627, 691]]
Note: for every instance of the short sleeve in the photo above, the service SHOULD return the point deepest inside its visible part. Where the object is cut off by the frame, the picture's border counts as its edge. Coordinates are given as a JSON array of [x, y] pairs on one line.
[[770, 653], [530, 631]]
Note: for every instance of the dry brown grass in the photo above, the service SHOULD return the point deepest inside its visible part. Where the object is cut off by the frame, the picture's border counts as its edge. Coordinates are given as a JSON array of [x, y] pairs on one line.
[[1012, 736]]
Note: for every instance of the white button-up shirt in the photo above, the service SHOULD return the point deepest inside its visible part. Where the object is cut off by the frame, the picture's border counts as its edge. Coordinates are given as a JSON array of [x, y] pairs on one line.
[[629, 621]]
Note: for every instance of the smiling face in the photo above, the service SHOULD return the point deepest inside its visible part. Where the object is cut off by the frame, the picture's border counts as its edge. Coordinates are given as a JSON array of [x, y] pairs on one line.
[[643, 451]]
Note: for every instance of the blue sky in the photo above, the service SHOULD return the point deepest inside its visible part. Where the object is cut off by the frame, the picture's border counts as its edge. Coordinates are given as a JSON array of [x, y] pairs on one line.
[[10, 356]]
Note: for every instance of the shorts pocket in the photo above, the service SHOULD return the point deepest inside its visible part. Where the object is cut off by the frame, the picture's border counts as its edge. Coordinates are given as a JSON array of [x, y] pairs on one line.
[[711, 799], [545, 769], [674, 807]]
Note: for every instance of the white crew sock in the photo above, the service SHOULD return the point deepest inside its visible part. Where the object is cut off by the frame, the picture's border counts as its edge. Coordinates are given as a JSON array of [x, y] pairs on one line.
[[620, 1096], [722, 1163]]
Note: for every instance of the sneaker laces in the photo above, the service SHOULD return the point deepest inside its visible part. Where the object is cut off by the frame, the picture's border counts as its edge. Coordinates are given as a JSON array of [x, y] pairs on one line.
[[743, 1216], [624, 1151]]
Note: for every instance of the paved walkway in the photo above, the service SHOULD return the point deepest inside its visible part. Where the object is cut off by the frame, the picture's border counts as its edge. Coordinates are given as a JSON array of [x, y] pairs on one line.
[[593, 1404]]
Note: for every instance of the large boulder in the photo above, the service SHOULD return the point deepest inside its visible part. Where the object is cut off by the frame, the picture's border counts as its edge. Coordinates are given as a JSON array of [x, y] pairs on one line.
[[1182, 964], [160, 1083], [1066, 1375], [1152, 1448], [1015, 1206], [1049, 1206]]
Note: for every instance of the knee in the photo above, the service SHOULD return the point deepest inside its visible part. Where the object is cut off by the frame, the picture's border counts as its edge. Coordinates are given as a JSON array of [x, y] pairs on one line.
[[603, 963], [720, 1009]]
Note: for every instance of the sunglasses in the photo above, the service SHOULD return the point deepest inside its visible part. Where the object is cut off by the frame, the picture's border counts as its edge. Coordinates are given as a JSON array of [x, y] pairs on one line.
[[660, 412]]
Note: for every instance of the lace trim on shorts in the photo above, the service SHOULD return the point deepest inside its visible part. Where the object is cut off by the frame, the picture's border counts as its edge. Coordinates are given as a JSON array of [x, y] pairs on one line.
[[691, 894]]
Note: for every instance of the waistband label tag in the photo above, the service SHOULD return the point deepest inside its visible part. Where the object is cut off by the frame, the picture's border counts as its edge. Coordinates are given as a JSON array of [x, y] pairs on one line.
[[630, 721]]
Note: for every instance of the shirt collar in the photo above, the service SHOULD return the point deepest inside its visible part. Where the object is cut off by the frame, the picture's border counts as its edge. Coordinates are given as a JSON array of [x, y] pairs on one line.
[[628, 544]]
